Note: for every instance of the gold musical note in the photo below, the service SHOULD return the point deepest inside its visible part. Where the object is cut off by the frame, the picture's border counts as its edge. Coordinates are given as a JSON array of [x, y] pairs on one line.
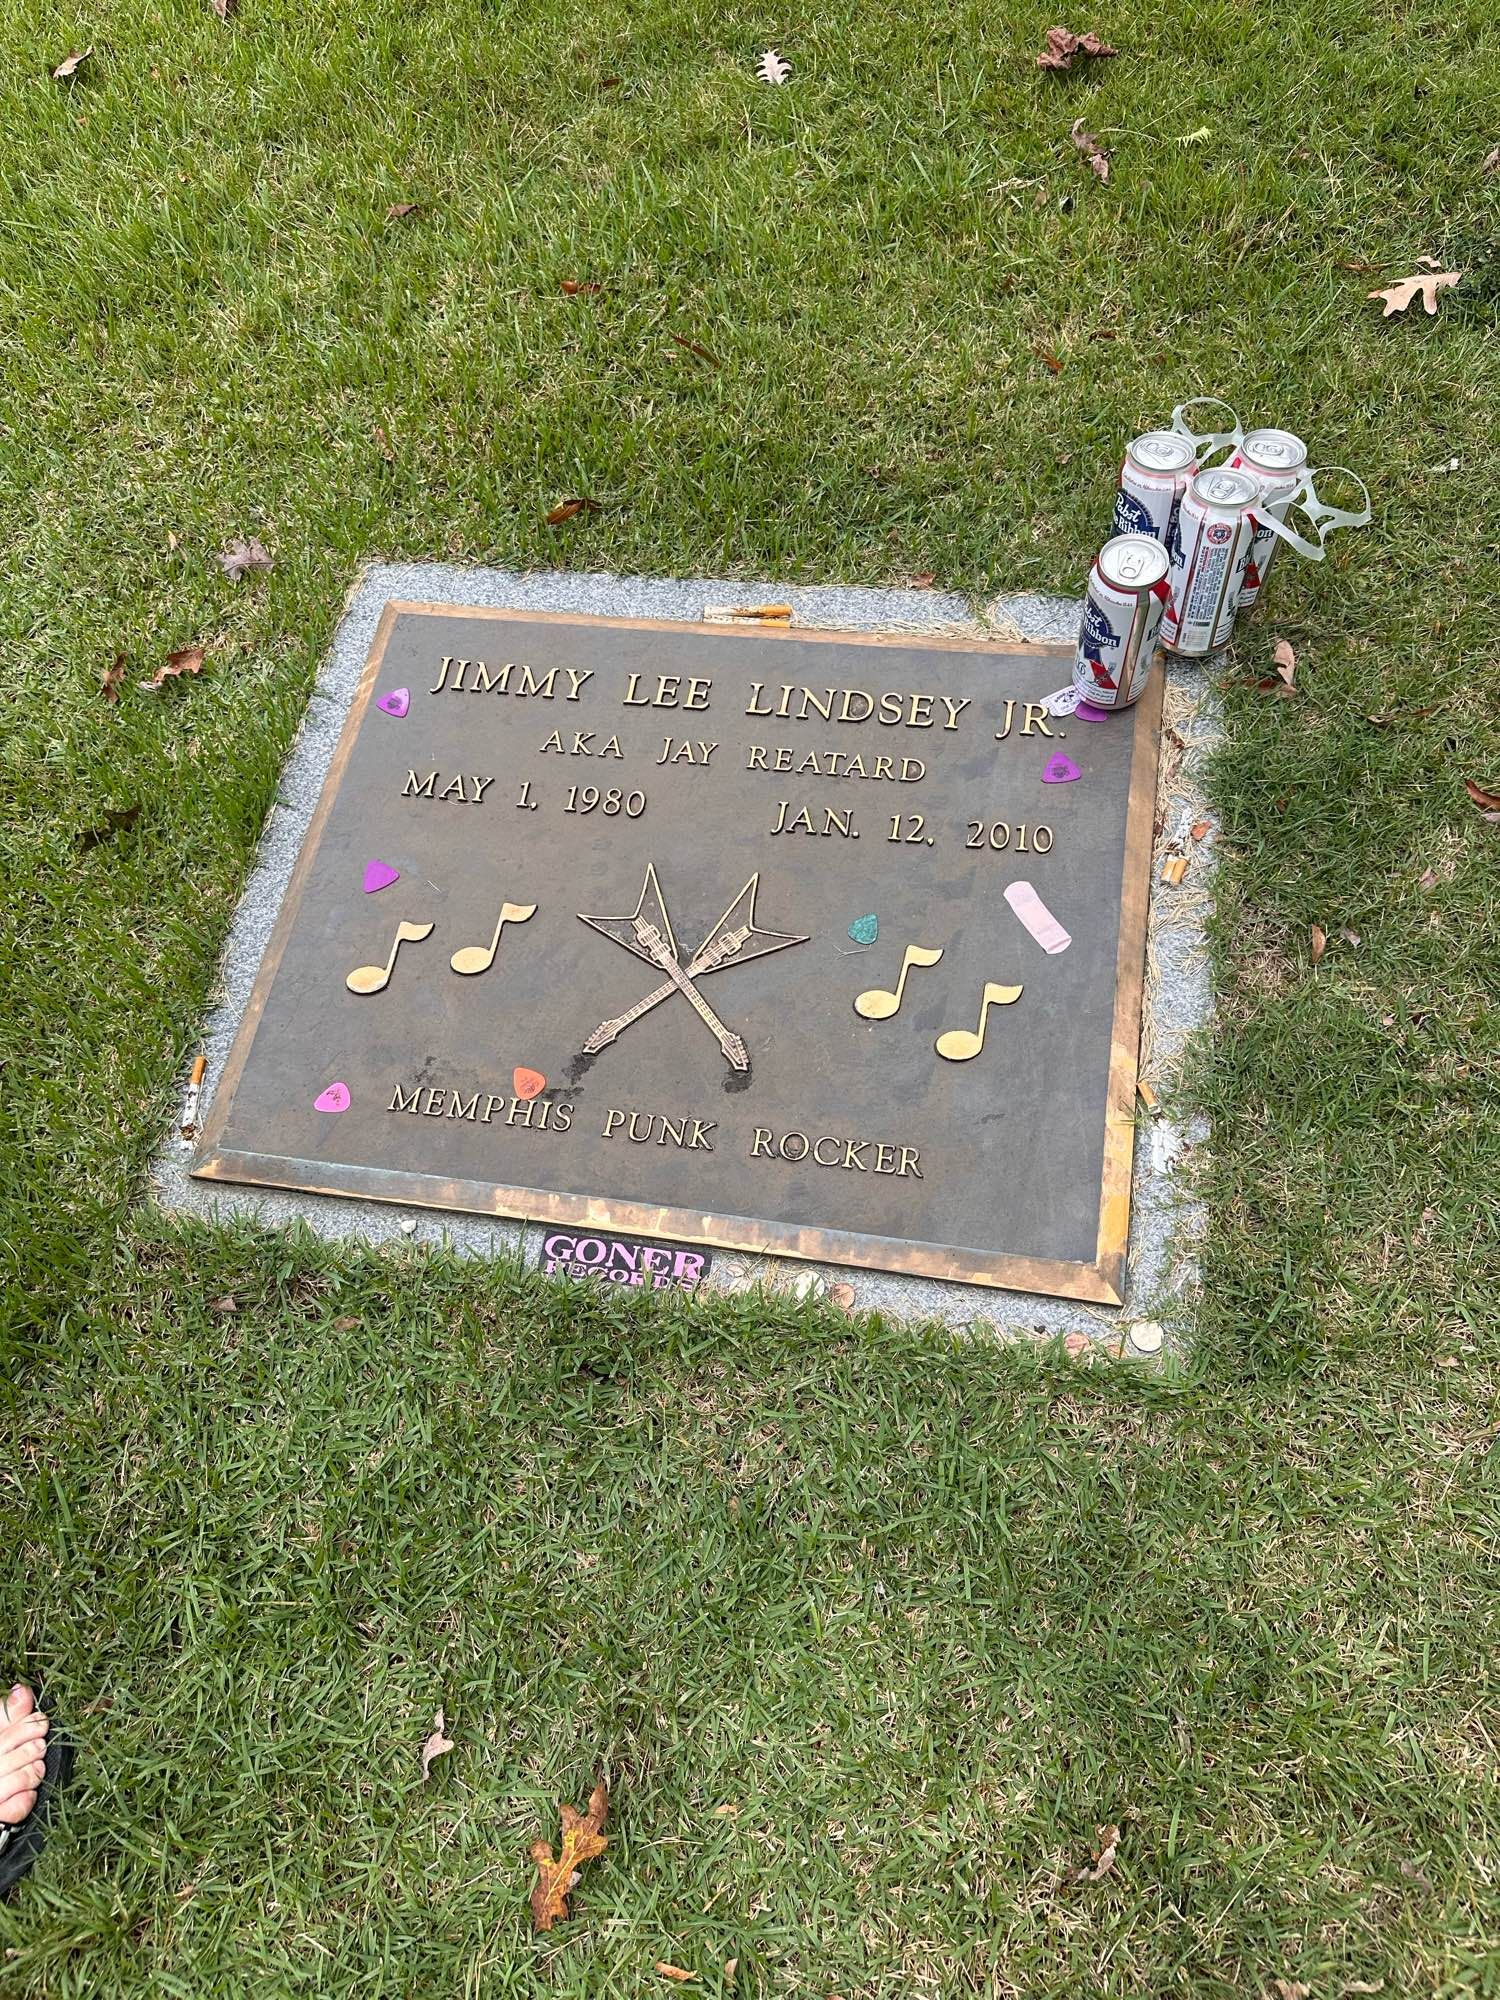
[[474, 957], [959, 1044], [375, 978], [877, 1004]]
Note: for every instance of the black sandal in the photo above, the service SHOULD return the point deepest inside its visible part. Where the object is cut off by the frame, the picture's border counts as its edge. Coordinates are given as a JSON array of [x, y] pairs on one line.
[[21, 1844]]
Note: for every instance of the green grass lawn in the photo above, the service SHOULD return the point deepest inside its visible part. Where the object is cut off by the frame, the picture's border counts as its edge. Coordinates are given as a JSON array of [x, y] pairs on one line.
[[924, 1615]]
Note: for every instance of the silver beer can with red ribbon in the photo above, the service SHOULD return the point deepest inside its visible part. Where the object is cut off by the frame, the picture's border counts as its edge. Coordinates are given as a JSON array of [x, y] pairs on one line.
[[1122, 614]]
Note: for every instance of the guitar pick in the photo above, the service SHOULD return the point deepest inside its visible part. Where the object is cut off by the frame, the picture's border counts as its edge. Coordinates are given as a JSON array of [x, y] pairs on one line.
[[526, 1083], [396, 703], [1086, 712], [1060, 770], [333, 1100], [379, 875], [864, 930]]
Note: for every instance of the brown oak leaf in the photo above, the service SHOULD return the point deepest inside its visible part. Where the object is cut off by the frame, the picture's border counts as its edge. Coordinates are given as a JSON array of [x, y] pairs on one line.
[[582, 1839], [437, 1744], [1090, 148], [113, 678], [1064, 47], [1286, 662], [1319, 940], [186, 660], [117, 819], [566, 509], [240, 556], [71, 64], [1106, 1848], [1487, 802], [398, 209], [1425, 285]]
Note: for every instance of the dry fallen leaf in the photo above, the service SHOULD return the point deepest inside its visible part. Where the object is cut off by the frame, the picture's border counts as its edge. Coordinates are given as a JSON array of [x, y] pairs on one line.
[[117, 819], [228, 1304], [224, 8], [1425, 286], [1051, 361], [387, 449], [436, 1745], [923, 580], [582, 1838], [729, 1811], [1427, 879], [399, 208], [1487, 802], [112, 679], [240, 556], [673, 1971], [1108, 1842], [771, 69], [1414, 1874], [1292, 1989], [186, 660], [1091, 150], [731, 1967], [695, 347], [1362, 1986], [1064, 47], [842, 1296], [1198, 828], [565, 510], [571, 287], [70, 64], [1319, 942], [1286, 662]]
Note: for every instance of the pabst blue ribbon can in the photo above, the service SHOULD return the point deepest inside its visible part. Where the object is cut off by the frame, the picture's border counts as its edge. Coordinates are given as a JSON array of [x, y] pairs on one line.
[[1215, 527], [1122, 615], [1153, 478], [1278, 459]]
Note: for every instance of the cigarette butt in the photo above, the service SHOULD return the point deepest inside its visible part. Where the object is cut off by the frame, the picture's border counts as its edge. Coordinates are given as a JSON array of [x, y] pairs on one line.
[[1174, 868], [195, 1086], [747, 614], [1146, 1094]]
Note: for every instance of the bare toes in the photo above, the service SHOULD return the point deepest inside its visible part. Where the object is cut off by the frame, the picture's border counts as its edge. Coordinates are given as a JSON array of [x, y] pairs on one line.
[[18, 1704], [15, 1808]]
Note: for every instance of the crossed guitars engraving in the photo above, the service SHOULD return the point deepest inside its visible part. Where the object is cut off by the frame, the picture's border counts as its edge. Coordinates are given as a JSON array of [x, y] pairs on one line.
[[647, 932], [735, 939]]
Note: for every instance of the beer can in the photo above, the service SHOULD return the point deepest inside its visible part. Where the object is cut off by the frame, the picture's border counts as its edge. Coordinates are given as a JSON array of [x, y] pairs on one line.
[[1122, 614], [1215, 526], [1153, 478], [1278, 459]]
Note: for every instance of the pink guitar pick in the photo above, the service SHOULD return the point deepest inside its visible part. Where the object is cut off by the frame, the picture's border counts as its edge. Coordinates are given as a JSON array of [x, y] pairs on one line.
[[1086, 712], [1060, 770], [380, 875], [396, 703], [333, 1100]]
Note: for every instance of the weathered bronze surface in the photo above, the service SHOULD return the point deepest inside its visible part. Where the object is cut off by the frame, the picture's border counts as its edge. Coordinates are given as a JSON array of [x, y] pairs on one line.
[[950, 1100]]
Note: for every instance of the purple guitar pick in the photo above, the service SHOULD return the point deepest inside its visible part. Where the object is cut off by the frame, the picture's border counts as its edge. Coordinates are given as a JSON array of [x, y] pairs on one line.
[[1061, 770], [1086, 712], [334, 1099], [396, 703], [379, 875]]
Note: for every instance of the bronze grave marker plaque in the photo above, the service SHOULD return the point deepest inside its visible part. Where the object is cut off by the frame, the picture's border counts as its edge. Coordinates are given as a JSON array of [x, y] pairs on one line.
[[804, 943]]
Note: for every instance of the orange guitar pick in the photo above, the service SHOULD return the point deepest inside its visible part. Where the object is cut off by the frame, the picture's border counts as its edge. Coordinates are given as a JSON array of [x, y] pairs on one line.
[[527, 1083]]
